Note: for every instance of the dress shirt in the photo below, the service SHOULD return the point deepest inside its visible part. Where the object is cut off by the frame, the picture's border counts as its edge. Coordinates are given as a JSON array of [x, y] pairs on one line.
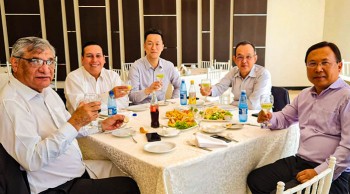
[[80, 82], [257, 82], [324, 122], [142, 75], [35, 132]]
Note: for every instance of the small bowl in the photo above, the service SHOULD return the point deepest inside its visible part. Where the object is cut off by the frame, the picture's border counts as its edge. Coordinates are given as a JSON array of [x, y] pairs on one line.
[[228, 117]]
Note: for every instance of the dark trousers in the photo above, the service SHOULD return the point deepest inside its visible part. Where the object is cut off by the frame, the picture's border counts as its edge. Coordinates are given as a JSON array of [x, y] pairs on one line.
[[86, 185], [264, 180]]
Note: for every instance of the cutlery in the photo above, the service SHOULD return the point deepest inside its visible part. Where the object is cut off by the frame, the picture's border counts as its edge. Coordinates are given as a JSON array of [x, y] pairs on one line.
[[132, 137]]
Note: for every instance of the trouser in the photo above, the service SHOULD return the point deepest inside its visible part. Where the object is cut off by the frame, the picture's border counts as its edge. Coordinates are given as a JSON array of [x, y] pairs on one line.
[[86, 185], [264, 180]]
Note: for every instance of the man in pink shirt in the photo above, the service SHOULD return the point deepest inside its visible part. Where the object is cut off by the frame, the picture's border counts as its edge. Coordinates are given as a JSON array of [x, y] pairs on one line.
[[324, 120]]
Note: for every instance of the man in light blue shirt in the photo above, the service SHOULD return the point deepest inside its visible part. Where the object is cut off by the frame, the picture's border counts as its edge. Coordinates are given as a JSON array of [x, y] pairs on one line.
[[247, 75], [324, 120], [143, 73]]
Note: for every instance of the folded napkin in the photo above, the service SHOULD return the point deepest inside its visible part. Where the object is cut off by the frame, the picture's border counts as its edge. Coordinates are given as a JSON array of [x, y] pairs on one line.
[[205, 141]]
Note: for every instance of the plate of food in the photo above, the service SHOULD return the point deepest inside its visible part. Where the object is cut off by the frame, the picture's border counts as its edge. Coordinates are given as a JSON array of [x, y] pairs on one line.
[[181, 119], [216, 114], [233, 126], [159, 147]]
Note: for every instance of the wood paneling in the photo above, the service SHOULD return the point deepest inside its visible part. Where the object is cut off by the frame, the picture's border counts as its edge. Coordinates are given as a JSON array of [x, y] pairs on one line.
[[159, 7], [189, 31], [92, 2], [222, 30], [21, 6], [168, 27], [250, 6], [251, 28], [19, 26]]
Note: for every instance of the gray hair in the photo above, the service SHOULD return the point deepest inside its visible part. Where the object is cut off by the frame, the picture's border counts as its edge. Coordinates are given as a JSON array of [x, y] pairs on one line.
[[29, 44]]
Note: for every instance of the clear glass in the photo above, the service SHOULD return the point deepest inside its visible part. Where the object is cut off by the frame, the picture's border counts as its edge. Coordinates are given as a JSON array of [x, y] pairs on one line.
[[266, 103], [127, 83], [160, 77], [206, 85], [92, 97], [198, 116]]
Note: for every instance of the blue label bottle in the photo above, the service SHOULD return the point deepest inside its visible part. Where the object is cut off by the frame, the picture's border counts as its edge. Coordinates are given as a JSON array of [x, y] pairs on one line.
[[112, 105], [183, 93], [243, 107]]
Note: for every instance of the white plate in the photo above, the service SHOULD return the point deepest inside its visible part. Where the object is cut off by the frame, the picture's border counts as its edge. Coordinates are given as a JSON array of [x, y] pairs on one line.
[[199, 102], [233, 126], [168, 132], [159, 147], [212, 129], [208, 120], [228, 107], [123, 132], [137, 108], [162, 103]]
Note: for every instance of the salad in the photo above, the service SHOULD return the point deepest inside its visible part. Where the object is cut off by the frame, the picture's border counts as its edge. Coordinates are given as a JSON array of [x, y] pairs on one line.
[[216, 113]]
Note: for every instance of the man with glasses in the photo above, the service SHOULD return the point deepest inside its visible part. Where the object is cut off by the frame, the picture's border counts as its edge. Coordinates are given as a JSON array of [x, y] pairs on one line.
[[92, 77], [324, 121], [38, 132], [143, 73], [247, 75]]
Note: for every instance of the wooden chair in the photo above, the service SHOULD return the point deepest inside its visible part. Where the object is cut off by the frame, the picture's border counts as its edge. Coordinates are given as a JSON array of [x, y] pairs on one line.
[[320, 184], [222, 65], [125, 70]]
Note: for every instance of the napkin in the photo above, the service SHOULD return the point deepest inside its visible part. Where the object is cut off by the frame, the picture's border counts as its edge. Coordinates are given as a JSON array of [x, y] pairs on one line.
[[208, 142]]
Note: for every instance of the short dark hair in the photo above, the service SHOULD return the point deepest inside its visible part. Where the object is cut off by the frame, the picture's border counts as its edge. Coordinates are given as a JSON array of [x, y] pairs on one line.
[[242, 43], [89, 43], [153, 31], [331, 45]]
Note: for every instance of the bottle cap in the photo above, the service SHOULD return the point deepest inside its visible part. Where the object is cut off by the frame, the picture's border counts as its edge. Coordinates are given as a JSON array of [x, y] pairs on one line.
[[192, 81], [111, 92], [134, 114]]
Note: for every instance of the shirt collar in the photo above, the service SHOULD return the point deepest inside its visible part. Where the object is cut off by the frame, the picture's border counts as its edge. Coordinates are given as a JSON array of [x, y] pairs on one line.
[[339, 83], [103, 73], [25, 91], [149, 66], [252, 72]]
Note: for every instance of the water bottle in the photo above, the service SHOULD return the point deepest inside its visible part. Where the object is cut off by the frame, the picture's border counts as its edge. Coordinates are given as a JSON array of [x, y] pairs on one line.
[[192, 94], [183, 93], [243, 107], [112, 105], [154, 110]]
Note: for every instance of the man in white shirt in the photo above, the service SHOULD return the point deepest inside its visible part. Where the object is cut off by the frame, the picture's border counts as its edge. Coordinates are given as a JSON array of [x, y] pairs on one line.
[[92, 77], [38, 132], [143, 72], [247, 75]]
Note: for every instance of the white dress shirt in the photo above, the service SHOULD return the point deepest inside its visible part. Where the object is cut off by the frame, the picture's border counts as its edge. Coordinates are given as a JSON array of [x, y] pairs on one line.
[[80, 82], [35, 132], [257, 82], [142, 75]]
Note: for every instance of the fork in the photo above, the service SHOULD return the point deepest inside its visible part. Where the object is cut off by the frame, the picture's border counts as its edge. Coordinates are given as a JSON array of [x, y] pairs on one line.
[[132, 137]]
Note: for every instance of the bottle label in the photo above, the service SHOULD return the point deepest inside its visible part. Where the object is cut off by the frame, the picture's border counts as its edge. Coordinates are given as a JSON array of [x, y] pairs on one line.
[[153, 108], [112, 111]]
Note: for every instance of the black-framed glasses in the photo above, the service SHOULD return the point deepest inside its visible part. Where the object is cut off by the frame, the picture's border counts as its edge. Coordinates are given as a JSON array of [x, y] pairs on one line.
[[39, 62], [241, 58], [313, 64]]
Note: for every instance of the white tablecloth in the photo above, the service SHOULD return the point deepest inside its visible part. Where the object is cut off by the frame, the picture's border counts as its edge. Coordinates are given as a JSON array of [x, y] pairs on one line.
[[189, 169]]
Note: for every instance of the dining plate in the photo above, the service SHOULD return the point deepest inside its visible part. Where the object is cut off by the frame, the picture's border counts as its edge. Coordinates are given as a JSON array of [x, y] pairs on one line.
[[123, 132], [199, 102], [159, 147], [213, 129], [208, 120], [162, 103], [137, 108], [233, 126], [168, 132], [228, 107]]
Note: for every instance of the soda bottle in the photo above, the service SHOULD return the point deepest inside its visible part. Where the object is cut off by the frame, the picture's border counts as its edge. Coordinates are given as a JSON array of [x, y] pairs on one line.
[[154, 109], [183, 93], [243, 107], [112, 105], [192, 94]]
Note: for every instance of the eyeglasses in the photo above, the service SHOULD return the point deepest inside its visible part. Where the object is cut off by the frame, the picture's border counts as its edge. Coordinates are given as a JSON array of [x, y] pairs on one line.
[[39, 62], [313, 64], [241, 58]]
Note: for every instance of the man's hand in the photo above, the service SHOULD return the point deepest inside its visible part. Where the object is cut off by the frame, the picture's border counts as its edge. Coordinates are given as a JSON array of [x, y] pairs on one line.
[[85, 113], [264, 116], [204, 92], [120, 91], [306, 175], [157, 85], [112, 122]]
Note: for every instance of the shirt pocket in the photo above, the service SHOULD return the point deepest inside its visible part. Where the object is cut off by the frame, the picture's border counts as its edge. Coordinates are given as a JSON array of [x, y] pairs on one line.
[[329, 121]]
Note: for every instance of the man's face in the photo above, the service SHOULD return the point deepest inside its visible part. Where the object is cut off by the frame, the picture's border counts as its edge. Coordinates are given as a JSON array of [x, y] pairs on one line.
[[326, 70], [245, 59], [93, 60], [31, 75], [153, 46]]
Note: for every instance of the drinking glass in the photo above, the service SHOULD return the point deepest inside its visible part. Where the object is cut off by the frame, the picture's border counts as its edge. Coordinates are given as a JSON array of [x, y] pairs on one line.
[[128, 84], [160, 77], [206, 85], [198, 115], [92, 97], [266, 103]]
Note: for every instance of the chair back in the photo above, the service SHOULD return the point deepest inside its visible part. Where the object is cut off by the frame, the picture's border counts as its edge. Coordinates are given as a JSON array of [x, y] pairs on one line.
[[222, 65], [12, 179], [206, 64], [54, 81], [320, 184], [214, 75], [125, 70], [346, 68], [280, 97], [119, 71]]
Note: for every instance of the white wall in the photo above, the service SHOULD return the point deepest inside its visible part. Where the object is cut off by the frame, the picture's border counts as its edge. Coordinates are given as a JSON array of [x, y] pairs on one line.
[[292, 27], [337, 25]]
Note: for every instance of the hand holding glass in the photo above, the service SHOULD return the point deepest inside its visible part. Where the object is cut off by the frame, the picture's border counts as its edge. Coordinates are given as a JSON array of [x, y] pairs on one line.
[[206, 86], [92, 97], [160, 77], [266, 103]]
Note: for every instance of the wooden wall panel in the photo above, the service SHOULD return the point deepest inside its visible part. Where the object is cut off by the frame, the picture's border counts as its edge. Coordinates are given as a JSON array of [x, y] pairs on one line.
[[189, 31], [250, 6], [168, 27], [159, 7], [21, 6], [2, 46], [222, 30]]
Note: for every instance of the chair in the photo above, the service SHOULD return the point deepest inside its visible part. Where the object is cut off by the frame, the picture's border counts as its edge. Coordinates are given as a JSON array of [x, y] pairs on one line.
[[12, 179], [125, 70], [321, 183], [206, 64], [222, 65], [280, 97], [54, 81], [214, 75], [8, 65], [346, 68], [119, 71]]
